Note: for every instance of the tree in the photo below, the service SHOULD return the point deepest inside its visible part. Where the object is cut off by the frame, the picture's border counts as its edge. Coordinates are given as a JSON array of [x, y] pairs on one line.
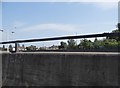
[[118, 25], [10, 48], [116, 31], [3, 48], [119, 31], [110, 43], [97, 44], [71, 44], [31, 48], [23, 47], [63, 45], [0, 48], [18, 45], [85, 44]]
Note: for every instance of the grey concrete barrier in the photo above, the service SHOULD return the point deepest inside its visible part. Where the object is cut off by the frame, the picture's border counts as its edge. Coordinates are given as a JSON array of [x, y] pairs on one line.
[[61, 69], [0, 69]]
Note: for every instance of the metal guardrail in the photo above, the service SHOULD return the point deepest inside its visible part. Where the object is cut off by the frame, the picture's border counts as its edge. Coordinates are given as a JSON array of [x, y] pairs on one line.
[[61, 38]]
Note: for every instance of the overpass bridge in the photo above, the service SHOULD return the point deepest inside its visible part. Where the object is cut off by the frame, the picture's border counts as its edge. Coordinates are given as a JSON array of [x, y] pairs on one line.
[[60, 68]]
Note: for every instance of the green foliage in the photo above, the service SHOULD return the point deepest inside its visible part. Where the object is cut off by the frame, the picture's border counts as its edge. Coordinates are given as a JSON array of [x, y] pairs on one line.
[[115, 37], [116, 31], [3, 48], [97, 44], [89, 45], [63, 45], [118, 25], [110, 43], [31, 48], [10, 48], [71, 44], [85, 44]]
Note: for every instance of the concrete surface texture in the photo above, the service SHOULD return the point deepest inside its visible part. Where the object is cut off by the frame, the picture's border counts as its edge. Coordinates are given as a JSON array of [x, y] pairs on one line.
[[60, 69], [0, 70]]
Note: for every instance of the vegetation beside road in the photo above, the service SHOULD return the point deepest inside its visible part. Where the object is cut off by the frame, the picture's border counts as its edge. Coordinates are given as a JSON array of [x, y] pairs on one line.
[[108, 43]]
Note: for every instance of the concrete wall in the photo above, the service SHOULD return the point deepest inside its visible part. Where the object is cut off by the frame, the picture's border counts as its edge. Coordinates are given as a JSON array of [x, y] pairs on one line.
[[0, 70], [60, 69]]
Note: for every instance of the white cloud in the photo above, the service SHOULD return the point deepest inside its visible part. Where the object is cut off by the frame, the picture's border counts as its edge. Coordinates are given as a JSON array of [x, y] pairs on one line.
[[106, 5], [51, 26]]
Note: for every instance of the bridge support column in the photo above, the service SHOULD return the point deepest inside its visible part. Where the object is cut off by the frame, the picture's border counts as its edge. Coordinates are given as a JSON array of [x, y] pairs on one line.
[[16, 47]]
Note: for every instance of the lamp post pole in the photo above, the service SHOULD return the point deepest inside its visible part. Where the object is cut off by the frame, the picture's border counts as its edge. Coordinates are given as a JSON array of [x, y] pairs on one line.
[[13, 34], [2, 32], [76, 39], [15, 48]]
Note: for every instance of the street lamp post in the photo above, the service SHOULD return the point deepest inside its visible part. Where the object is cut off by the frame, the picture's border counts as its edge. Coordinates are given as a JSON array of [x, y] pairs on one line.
[[13, 34], [15, 48], [1, 34], [1, 30], [76, 39]]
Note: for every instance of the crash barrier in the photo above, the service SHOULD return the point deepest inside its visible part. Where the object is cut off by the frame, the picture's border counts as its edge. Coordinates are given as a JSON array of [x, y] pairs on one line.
[[61, 69]]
